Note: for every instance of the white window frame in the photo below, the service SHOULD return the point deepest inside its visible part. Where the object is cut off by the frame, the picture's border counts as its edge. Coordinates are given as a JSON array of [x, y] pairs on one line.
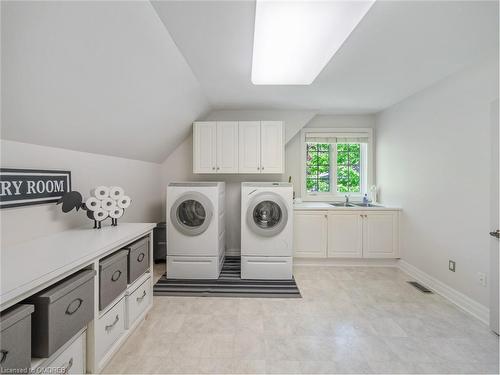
[[367, 159]]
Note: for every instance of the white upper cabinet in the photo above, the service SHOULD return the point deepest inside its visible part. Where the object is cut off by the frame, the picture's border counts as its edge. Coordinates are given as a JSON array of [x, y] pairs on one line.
[[238, 147], [271, 148], [249, 147], [380, 234], [227, 147], [204, 147], [215, 147]]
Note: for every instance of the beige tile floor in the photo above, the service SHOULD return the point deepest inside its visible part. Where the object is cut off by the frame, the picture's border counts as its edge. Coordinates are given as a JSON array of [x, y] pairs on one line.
[[350, 320]]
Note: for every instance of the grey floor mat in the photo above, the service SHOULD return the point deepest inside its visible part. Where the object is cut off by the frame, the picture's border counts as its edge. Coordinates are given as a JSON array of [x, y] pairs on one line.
[[229, 284]]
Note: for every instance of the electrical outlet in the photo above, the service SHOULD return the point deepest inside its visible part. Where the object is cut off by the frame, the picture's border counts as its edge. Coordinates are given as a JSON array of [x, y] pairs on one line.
[[451, 265], [481, 278]]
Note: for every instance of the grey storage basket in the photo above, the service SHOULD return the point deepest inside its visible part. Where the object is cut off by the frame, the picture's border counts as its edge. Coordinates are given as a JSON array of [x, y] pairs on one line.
[[138, 258], [15, 343], [61, 311], [112, 277]]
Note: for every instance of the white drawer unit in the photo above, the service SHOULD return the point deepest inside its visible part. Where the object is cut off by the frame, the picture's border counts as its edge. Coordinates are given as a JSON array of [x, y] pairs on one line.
[[72, 359], [109, 328], [137, 301]]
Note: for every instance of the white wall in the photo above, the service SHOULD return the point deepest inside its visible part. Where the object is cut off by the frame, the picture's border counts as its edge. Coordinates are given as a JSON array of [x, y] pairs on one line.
[[433, 159], [293, 120], [293, 154], [179, 165], [141, 181], [95, 76]]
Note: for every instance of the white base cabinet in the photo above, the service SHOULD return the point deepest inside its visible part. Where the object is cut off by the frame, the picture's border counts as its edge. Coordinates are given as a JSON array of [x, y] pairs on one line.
[[310, 234], [380, 235], [346, 234]]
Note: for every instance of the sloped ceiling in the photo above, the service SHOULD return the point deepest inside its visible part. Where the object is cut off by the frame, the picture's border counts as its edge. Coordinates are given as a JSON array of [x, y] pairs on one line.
[[127, 78], [399, 48], [100, 77]]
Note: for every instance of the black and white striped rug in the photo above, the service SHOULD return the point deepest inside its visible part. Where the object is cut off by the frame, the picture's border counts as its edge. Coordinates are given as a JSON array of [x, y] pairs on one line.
[[229, 284]]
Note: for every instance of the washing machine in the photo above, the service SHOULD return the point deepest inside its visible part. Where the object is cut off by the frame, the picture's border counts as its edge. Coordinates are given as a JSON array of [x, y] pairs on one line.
[[195, 230], [266, 230]]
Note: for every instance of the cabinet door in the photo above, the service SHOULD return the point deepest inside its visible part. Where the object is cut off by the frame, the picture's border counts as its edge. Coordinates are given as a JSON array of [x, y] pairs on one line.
[[345, 234], [380, 234], [227, 147], [249, 146], [204, 147], [271, 147], [310, 234]]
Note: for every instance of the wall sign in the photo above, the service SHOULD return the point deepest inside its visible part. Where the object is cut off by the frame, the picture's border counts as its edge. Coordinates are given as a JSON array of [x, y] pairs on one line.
[[24, 187]]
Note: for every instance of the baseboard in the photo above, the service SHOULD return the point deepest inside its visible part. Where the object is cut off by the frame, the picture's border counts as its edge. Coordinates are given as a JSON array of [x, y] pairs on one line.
[[474, 308], [345, 262], [233, 252]]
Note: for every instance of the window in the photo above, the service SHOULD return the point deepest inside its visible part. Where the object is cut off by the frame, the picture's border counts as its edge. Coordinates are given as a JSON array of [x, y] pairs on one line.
[[318, 167], [336, 163]]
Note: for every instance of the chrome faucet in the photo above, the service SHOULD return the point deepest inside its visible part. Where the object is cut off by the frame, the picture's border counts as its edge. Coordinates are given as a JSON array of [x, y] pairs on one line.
[[346, 200]]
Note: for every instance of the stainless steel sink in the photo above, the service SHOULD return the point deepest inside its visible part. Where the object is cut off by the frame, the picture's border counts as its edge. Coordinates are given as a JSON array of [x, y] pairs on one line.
[[366, 205], [342, 204]]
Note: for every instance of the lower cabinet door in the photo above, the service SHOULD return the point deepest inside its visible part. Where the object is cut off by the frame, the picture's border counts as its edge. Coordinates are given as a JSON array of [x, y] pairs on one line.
[[380, 235], [72, 359], [345, 234], [310, 234], [109, 328], [137, 301]]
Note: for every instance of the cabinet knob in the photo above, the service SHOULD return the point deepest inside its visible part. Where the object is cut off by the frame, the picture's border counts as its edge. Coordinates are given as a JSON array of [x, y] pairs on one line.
[[262, 168], [218, 168], [258, 168], [213, 168], [361, 215]]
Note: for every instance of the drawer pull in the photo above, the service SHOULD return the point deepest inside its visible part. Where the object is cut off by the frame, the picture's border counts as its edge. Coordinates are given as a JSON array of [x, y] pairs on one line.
[[74, 306], [116, 275], [141, 256], [4, 355], [139, 299], [68, 367], [110, 327]]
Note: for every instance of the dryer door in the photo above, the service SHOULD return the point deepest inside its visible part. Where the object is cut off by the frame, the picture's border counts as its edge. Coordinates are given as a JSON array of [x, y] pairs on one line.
[[267, 214], [191, 213]]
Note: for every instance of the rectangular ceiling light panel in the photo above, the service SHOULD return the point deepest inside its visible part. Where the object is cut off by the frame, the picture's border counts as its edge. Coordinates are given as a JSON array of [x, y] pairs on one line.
[[294, 40]]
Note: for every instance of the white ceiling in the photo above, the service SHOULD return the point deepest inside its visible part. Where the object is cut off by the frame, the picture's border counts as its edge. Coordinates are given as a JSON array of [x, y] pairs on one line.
[[108, 77], [399, 48], [101, 77]]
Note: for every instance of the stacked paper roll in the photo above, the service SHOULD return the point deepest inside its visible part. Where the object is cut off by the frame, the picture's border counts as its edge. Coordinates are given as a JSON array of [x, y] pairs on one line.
[[100, 192], [100, 214], [123, 202], [93, 203], [116, 213], [108, 204], [116, 192]]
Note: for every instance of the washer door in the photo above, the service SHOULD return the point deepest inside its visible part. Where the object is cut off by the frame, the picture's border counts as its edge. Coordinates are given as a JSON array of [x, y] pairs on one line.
[[191, 213], [267, 214]]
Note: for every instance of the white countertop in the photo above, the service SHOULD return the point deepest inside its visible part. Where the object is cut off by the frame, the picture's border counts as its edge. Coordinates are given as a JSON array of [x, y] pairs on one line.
[[29, 265], [304, 206]]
